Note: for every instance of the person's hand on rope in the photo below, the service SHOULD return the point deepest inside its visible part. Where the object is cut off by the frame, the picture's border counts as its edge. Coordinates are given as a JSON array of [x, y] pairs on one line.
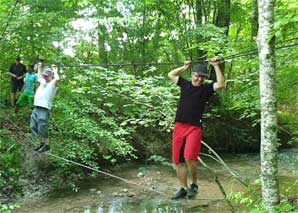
[[187, 65], [214, 61]]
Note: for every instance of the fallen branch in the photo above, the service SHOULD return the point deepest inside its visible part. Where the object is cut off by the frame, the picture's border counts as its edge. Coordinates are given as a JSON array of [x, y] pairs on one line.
[[218, 183], [220, 160]]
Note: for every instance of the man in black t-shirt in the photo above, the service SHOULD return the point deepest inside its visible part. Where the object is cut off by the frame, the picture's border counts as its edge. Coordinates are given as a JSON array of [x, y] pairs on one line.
[[17, 72], [187, 133]]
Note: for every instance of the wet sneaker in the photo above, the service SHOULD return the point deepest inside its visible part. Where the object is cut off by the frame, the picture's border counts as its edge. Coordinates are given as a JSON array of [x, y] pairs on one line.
[[39, 147], [192, 191], [180, 194], [44, 148]]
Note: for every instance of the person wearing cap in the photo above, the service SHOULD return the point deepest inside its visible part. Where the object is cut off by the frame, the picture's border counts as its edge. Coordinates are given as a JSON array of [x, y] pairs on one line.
[[187, 133], [44, 96], [28, 90], [17, 72]]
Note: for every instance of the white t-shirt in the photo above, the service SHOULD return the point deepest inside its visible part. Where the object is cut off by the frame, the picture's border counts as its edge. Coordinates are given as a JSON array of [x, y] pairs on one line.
[[45, 94]]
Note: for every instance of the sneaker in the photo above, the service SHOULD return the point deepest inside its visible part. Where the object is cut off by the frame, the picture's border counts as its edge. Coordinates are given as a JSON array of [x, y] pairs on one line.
[[39, 147], [192, 191], [180, 194], [44, 148]]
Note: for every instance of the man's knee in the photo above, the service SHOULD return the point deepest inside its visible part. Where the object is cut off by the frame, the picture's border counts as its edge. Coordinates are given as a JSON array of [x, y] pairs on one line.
[[190, 161], [180, 165]]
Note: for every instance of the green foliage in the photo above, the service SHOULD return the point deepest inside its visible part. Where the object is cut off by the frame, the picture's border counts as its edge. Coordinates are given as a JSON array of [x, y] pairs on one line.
[[7, 208], [254, 203], [10, 165], [96, 123], [108, 115]]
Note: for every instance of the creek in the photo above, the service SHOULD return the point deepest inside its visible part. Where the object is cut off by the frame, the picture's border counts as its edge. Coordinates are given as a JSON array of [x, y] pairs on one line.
[[105, 194]]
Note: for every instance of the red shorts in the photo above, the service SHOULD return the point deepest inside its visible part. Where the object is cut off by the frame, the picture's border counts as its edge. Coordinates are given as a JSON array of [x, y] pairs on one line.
[[186, 142]]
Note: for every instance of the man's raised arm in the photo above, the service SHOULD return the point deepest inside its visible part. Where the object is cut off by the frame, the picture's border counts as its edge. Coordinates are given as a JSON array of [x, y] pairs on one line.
[[175, 73], [56, 75], [220, 81]]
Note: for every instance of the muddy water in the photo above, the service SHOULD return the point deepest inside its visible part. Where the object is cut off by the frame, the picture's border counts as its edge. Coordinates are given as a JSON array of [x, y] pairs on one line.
[[104, 194]]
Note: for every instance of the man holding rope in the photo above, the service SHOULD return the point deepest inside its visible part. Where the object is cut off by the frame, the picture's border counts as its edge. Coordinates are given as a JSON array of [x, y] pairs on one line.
[[187, 133], [45, 93]]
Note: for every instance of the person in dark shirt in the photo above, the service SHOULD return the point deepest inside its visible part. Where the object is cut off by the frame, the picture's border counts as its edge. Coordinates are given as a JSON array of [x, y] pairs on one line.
[[187, 133], [17, 72]]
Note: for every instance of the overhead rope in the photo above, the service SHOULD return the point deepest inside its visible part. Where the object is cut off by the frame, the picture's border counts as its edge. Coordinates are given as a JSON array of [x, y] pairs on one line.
[[254, 51], [226, 58], [7, 23]]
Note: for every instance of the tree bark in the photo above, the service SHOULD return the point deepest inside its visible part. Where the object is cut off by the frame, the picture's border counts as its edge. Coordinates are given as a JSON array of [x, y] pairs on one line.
[[101, 38], [254, 19], [144, 33], [269, 163], [222, 18], [198, 12]]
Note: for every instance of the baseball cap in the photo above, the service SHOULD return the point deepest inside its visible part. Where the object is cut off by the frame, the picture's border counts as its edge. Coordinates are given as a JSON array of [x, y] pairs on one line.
[[201, 70], [47, 72]]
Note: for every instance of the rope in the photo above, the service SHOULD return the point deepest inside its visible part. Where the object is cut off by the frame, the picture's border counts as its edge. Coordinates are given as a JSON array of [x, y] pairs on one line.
[[254, 51], [105, 173], [229, 57]]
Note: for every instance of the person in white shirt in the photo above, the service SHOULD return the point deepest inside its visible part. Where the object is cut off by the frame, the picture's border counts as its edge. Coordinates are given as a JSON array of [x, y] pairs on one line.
[[44, 96]]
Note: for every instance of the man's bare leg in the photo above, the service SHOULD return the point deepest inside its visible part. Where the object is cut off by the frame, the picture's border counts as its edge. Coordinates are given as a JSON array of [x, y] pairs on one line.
[[192, 167], [181, 172], [16, 108], [13, 98]]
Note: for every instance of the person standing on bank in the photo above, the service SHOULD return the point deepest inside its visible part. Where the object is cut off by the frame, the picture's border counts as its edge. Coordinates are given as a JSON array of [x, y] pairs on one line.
[[17, 72], [187, 133], [44, 96], [28, 90]]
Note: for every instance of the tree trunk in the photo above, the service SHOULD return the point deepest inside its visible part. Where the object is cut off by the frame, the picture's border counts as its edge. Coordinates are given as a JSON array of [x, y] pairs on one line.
[[222, 18], [144, 32], [198, 14], [254, 19], [101, 39], [269, 163]]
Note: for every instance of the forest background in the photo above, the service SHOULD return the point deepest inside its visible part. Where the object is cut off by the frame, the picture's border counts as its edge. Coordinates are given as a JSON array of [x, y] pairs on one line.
[[107, 115]]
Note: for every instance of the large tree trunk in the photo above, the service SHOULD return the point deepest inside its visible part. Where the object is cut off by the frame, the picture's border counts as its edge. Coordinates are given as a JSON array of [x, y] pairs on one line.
[[269, 167]]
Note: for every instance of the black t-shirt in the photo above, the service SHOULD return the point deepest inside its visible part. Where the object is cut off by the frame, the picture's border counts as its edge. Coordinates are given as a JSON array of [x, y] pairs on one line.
[[18, 70], [192, 102]]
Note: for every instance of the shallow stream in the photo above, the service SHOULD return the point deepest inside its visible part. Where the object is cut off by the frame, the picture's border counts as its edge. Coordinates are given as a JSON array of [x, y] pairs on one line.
[[105, 194]]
